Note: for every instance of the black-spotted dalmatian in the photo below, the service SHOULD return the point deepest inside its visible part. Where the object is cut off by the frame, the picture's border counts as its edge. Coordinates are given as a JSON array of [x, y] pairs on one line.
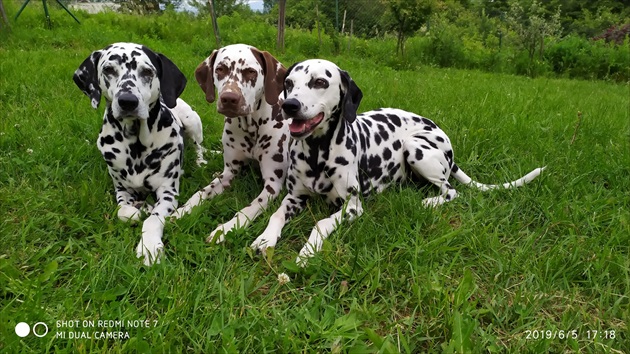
[[341, 155], [248, 82], [141, 138]]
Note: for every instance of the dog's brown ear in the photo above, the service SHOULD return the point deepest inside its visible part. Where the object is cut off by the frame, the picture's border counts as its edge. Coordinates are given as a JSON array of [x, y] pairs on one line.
[[86, 78], [205, 76], [274, 75]]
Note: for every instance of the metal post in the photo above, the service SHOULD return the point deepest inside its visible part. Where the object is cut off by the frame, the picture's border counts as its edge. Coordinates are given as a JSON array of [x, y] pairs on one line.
[[68, 11], [47, 14], [21, 9]]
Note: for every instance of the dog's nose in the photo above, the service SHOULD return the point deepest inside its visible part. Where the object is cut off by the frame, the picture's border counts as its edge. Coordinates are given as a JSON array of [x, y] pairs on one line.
[[229, 99], [127, 101], [291, 106]]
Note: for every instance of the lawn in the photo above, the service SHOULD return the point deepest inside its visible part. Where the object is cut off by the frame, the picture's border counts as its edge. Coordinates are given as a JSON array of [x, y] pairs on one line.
[[543, 268]]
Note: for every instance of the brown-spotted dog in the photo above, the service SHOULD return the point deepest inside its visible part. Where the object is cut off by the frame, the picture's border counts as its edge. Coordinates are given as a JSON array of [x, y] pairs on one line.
[[248, 82]]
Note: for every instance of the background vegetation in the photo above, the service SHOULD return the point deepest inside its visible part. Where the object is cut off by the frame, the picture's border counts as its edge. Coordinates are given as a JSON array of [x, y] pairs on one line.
[[480, 274]]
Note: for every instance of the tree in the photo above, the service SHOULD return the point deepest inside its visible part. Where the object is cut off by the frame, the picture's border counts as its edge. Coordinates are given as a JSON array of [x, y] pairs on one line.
[[531, 26], [221, 7], [146, 6], [406, 17]]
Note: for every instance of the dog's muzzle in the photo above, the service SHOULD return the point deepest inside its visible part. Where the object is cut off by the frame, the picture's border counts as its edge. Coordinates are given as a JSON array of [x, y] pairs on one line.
[[300, 127]]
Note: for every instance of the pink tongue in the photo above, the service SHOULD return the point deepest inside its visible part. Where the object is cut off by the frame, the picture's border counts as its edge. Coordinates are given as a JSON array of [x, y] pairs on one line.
[[297, 126]]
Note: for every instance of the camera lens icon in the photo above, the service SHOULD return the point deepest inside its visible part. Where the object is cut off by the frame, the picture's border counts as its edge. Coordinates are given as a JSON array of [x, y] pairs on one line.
[[22, 329]]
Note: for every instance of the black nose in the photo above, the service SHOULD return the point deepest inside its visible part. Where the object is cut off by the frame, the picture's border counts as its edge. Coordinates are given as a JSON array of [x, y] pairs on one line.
[[127, 101], [291, 106]]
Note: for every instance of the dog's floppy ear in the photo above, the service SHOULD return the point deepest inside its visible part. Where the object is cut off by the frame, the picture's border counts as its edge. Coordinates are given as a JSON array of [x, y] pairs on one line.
[[86, 77], [351, 99], [205, 76], [274, 75], [172, 81]]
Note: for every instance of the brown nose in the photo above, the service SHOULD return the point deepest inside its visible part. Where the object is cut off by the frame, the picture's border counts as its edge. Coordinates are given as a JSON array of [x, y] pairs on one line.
[[229, 99]]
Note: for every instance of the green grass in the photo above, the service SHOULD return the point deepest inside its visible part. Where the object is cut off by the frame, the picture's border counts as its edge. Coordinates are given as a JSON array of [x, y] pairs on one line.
[[474, 275]]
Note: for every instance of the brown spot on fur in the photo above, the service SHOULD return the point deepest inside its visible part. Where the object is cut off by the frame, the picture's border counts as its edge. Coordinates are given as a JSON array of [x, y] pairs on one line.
[[270, 189]]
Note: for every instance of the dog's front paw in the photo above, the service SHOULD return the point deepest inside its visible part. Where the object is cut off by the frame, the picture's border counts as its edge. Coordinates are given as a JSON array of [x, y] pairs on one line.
[[217, 236], [128, 213], [433, 202], [263, 242], [151, 249], [307, 252]]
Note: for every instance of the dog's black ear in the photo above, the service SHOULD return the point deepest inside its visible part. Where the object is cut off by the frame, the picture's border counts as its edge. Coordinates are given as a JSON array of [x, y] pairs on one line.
[[86, 77], [204, 74], [172, 81], [352, 97], [274, 75]]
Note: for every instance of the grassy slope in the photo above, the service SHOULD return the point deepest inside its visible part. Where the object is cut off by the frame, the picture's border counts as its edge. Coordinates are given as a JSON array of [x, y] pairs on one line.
[[472, 275]]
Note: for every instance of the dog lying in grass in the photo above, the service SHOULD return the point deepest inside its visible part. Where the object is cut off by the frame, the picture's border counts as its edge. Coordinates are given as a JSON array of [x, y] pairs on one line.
[[141, 138], [336, 153]]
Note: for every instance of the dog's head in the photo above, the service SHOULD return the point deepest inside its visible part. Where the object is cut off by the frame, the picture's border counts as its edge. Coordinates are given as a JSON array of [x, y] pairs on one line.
[[315, 91], [131, 77], [242, 75]]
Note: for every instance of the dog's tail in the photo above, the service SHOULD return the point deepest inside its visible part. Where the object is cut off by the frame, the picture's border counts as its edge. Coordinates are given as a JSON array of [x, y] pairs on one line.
[[463, 178]]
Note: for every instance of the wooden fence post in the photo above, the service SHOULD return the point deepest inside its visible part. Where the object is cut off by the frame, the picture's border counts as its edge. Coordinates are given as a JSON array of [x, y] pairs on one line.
[[280, 41], [215, 25]]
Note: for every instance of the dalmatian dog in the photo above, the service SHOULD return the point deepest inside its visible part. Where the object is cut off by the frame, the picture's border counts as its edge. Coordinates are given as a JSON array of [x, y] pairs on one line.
[[248, 82], [336, 153], [141, 138]]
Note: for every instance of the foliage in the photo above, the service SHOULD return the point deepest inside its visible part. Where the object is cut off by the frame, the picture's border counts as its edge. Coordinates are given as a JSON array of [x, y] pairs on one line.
[[144, 7], [222, 7], [406, 17], [615, 34], [531, 26]]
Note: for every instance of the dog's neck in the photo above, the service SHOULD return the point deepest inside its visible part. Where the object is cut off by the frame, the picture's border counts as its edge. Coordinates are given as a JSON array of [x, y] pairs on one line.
[[312, 145]]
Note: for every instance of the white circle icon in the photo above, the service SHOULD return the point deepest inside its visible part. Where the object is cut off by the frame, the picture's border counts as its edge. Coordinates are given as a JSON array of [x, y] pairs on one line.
[[43, 332], [22, 329]]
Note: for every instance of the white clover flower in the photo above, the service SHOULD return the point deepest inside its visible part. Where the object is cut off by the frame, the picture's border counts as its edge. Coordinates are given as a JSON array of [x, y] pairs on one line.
[[283, 278], [29, 150]]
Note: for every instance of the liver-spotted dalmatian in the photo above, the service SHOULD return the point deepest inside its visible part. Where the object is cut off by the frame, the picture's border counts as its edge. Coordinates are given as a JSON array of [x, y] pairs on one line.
[[248, 82]]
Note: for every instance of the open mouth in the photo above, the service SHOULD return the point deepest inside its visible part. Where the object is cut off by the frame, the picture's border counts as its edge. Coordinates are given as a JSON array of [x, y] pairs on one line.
[[303, 127]]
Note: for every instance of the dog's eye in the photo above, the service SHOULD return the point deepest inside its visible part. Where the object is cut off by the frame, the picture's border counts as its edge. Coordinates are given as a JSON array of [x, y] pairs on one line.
[[109, 70], [250, 72], [221, 70], [321, 83], [146, 73], [288, 85]]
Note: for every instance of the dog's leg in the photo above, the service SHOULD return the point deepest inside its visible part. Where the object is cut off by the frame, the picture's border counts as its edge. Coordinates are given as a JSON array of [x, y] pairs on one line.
[[291, 205], [273, 175], [432, 165], [216, 187], [127, 211], [151, 246], [325, 227]]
